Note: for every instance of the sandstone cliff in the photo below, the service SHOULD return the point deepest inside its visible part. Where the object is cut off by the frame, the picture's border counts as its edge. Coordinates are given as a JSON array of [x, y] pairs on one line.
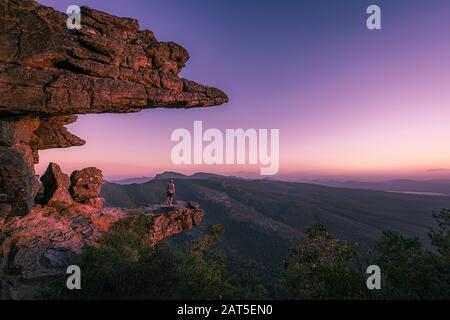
[[41, 245], [49, 74]]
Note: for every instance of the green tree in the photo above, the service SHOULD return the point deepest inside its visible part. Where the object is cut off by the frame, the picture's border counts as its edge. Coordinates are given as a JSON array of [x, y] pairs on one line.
[[124, 266], [412, 272], [322, 267], [409, 271], [440, 238], [203, 270]]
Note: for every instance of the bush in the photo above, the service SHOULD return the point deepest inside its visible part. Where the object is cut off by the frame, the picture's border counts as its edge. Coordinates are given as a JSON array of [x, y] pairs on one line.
[[326, 268], [409, 271], [321, 268], [123, 266]]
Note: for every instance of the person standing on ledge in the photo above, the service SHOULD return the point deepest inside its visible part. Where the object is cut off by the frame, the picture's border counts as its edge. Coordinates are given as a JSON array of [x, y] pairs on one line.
[[170, 192]]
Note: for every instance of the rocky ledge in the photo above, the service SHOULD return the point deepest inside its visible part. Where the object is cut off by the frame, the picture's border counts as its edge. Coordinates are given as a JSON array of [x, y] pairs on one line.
[[41, 245], [168, 221], [49, 74]]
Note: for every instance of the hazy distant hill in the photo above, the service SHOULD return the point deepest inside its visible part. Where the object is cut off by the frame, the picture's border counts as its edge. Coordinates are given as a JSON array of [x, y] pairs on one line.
[[132, 180], [399, 185], [262, 217], [174, 175]]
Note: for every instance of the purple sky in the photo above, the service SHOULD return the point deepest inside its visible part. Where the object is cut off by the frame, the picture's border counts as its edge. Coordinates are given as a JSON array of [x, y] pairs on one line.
[[349, 102]]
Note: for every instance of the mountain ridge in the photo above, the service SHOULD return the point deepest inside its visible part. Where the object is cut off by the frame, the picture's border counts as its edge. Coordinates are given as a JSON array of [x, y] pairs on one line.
[[438, 186], [263, 218]]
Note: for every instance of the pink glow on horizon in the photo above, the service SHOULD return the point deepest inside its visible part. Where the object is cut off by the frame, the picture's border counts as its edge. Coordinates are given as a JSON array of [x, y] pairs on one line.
[[400, 134], [348, 102]]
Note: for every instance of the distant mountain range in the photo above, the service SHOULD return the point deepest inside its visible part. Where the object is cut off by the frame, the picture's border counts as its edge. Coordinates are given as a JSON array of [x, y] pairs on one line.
[[164, 176], [430, 187], [263, 218], [131, 180], [174, 175], [436, 187]]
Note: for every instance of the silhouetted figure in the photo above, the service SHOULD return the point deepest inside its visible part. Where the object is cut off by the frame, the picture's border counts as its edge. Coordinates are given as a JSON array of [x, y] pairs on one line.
[[170, 192]]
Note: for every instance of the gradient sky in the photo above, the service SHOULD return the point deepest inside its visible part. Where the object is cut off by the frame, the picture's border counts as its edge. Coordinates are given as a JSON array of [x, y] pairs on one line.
[[349, 102]]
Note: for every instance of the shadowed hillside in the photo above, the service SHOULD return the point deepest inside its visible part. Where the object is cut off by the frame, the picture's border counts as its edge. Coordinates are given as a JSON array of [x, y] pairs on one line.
[[262, 218], [431, 187]]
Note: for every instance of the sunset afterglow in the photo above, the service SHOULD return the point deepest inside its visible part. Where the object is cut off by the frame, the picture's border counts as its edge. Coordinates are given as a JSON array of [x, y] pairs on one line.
[[348, 102]]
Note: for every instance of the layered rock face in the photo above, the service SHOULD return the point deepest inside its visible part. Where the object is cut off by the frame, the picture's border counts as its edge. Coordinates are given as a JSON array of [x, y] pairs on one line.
[[168, 221], [49, 74], [41, 245], [18, 184]]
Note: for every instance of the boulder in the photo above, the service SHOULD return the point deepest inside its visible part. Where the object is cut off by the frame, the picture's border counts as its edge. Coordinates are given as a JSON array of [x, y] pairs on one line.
[[86, 184], [56, 187]]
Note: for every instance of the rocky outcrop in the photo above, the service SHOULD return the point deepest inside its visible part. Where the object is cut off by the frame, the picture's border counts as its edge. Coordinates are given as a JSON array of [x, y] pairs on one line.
[[49, 74], [83, 186], [168, 221], [108, 65], [56, 187], [41, 245], [86, 184], [18, 183]]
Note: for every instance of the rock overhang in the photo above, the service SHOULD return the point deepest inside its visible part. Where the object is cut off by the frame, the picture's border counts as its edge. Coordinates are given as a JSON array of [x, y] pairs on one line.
[[49, 74]]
